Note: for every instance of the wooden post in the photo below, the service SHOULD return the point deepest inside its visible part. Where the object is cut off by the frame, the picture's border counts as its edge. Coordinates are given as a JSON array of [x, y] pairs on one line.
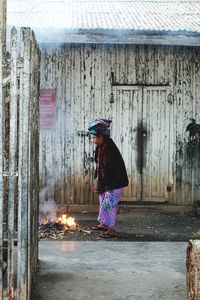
[[192, 269], [12, 161], [1, 172], [3, 21], [22, 271]]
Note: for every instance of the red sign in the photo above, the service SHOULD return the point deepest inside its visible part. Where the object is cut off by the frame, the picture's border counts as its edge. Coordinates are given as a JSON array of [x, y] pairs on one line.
[[47, 108]]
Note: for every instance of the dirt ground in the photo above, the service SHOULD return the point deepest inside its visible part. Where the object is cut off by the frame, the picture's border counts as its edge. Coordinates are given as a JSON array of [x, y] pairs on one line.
[[141, 226]]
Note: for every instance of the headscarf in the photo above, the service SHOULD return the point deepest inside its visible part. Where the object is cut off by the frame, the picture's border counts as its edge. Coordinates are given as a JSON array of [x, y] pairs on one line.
[[99, 126]]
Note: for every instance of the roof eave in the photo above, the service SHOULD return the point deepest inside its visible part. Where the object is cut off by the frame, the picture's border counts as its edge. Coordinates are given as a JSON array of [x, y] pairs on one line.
[[117, 36], [148, 37]]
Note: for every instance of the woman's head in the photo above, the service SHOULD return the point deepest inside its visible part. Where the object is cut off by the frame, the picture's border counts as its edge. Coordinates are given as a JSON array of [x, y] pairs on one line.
[[98, 129], [97, 139]]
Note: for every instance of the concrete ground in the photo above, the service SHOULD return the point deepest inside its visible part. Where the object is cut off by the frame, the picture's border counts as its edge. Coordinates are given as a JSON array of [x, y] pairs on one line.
[[114, 270]]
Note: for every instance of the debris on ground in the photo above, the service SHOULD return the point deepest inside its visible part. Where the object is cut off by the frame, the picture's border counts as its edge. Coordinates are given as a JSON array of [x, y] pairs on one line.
[[134, 226], [57, 231]]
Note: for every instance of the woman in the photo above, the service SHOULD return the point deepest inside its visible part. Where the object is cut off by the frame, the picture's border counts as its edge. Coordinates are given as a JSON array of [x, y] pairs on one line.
[[110, 176]]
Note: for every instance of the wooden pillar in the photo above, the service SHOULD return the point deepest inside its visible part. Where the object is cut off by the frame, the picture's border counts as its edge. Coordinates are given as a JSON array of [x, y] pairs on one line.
[[3, 22]]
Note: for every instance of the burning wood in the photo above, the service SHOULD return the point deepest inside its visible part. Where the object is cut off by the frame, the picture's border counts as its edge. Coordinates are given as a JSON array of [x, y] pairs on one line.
[[68, 222], [57, 229]]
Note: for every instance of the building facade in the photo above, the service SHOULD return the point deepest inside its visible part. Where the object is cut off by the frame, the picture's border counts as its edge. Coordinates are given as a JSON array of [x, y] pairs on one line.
[[135, 62], [152, 95]]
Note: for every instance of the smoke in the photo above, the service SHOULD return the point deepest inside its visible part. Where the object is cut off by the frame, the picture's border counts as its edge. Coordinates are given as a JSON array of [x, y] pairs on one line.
[[47, 206]]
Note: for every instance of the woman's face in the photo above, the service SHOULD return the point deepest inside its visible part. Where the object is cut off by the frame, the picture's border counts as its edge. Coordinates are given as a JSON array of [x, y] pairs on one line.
[[97, 140]]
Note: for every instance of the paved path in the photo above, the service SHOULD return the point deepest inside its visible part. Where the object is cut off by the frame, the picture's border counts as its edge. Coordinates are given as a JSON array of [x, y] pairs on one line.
[[84, 270]]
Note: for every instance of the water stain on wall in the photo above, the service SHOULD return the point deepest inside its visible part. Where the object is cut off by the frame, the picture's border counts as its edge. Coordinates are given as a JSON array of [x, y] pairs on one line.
[[141, 146], [193, 143]]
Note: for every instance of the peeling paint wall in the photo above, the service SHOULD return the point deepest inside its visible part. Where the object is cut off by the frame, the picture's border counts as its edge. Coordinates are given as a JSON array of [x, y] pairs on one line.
[[167, 80]]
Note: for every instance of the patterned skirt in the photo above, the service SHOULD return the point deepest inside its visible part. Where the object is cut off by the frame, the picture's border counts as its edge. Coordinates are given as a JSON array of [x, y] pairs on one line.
[[108, 207]]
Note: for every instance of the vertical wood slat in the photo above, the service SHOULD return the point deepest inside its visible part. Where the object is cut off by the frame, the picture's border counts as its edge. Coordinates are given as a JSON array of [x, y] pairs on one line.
[[87, 145], [30, 163], [12, 161], [37, 127], [33, 160], [67, 137], [28, 187], [22, 270], [1, 169]]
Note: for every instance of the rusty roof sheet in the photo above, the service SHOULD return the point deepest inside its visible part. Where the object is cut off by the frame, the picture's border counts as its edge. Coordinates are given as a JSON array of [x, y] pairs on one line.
[[146, 15]]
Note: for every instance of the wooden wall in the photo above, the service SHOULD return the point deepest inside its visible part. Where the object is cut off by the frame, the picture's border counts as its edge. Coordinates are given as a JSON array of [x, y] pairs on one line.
[[83, 76], [19, 164]]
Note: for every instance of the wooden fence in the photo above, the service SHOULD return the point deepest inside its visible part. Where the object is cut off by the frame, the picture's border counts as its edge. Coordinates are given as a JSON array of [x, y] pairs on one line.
[[19, 164]]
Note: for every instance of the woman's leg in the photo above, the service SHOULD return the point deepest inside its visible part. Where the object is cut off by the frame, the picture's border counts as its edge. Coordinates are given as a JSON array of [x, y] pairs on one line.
[[101, 226], [108, 208]]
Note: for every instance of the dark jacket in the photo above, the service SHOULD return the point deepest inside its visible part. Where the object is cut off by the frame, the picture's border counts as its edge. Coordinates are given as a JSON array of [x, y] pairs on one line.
[[111, 169]]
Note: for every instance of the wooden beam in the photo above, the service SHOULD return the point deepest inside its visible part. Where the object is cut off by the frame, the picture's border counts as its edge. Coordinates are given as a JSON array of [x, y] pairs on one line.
[[3, 22], [1, 172]]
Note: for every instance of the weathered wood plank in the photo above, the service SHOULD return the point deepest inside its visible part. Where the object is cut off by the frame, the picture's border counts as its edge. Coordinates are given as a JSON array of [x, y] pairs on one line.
[[63, 129], [28, 184], [34, 159], [77, 123], [1, 168], [68, 124], [12, 161], [170, 70], [88, 117], [196, 88], [31, 178], [23, 222], [82, 121]]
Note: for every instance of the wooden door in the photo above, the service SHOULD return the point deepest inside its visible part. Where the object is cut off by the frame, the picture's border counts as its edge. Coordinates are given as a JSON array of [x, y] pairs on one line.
[[141, 130], [126, 115], [156, 152]]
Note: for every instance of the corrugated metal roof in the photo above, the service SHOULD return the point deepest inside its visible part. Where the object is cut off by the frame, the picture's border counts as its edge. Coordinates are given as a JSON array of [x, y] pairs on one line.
[[110, 15]]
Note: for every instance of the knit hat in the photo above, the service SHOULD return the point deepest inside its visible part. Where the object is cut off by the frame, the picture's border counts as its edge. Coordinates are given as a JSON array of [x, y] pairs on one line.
[[99, 126]]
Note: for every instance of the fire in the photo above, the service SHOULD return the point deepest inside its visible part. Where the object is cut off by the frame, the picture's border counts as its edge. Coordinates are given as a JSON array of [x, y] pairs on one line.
[[68, 221]]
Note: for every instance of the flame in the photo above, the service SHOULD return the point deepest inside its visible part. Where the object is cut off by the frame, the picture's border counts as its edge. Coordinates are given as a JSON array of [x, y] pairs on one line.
[[69, 221]]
